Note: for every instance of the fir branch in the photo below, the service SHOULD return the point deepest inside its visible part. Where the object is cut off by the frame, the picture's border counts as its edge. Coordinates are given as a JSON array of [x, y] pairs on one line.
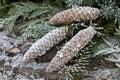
[[38, 12], [104, 49], [107, 8], [24, 8], [19, 9], [113, 59], [26, 24], [9, 23], [110, 53], [25, 15], [74, 3], [107, 51]]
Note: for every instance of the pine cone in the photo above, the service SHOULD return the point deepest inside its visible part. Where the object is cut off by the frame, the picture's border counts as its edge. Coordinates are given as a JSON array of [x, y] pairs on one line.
[[42, 45], [71, 48], [74, 14]]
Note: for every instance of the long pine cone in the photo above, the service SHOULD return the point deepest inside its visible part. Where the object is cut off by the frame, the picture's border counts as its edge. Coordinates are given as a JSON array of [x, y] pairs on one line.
[[74, 14], [71, 48], [42, 45]]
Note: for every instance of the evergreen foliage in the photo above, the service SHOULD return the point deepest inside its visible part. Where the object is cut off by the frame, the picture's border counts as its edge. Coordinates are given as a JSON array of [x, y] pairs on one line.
[[29, 17], [74, 3], [77, 3], [31, 21], [107, 8], [110, 49]]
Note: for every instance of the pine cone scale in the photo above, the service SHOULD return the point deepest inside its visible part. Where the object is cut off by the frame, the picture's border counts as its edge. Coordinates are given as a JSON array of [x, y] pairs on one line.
[[89, 16]]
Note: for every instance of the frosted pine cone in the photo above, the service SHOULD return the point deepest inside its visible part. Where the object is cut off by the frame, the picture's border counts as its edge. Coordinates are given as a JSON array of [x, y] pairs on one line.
[[71, 48], [74, 14], [40, 47]]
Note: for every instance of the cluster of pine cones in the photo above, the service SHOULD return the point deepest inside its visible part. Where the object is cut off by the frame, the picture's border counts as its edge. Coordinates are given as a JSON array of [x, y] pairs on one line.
[[72, 47]]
